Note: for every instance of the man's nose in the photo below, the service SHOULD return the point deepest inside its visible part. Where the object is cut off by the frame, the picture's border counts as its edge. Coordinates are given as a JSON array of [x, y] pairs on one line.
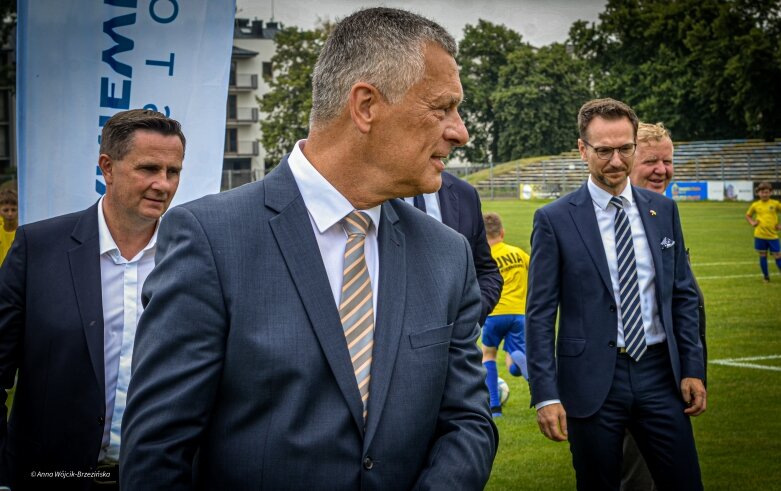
[[456, 132]]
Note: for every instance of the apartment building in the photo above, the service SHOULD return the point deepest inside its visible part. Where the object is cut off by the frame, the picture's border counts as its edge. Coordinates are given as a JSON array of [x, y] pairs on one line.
[[251, 72]]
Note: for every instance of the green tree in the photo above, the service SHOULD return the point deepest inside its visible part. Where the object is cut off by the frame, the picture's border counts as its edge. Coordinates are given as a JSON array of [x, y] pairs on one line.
[[482, 53], [7, 26], [288, 103], [707, 68], [539, 93]]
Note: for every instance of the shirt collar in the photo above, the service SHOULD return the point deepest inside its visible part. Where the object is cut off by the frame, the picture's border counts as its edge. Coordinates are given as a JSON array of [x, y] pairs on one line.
[[602, 197], [106, 241], [325, 204]]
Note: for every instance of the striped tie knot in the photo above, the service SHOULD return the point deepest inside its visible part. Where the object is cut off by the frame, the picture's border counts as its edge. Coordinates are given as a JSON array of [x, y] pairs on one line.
[[356, 223], [617, 202]]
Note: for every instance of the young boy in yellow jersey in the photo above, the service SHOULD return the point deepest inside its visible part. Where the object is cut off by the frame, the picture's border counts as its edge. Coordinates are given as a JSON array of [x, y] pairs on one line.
[[506, 321], [9, 215], [763, 216]]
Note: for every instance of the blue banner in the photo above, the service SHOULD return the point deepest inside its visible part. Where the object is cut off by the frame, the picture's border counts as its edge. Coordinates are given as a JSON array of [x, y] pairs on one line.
[[687, 191], [81, 61]]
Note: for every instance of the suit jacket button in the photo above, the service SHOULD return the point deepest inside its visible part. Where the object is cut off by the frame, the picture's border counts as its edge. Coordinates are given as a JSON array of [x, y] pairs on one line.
[[612, 344], [368, 463], [612, 308], [101, 420]]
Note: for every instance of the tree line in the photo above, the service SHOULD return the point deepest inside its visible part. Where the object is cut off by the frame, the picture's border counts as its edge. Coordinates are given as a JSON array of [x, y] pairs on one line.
[[708, 69]]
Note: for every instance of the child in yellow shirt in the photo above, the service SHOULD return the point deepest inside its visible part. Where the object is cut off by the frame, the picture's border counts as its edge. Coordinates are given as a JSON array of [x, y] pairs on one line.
[[9, 213], [506, 322], [763, 216]]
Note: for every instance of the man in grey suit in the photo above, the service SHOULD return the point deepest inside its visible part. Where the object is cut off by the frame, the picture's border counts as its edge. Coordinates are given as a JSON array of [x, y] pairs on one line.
[[309, 331], [610, 259]]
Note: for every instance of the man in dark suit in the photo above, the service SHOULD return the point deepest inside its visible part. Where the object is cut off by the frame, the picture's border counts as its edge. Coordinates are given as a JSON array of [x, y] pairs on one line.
[[610, 258], [653, 170], [69, 301], [309, 331], [457, 205]]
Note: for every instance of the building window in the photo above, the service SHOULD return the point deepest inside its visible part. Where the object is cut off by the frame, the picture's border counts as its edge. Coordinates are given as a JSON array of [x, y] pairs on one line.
[[232, 110], [231, 140], [268, 72]]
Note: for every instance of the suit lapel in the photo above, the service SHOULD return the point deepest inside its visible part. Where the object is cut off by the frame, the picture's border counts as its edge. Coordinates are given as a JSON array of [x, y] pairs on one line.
[[292, 230], [390, 314], [651, 226], [84, 262], [448, 202], [585, 219]]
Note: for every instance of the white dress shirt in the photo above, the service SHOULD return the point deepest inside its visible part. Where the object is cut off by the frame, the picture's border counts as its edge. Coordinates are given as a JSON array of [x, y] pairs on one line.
[[121, 281], [326, 207], [432, 205], [654, 333]]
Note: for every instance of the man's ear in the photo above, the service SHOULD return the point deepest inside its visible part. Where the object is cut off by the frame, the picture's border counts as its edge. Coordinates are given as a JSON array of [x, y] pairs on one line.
[[582, 150], [106, 165], [364, 103]]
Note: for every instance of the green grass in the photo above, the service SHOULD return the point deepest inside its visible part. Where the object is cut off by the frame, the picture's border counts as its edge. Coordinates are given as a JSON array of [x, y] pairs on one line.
[[739, 437]]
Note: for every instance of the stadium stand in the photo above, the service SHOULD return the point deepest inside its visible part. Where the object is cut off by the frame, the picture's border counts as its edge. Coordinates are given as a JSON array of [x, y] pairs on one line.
[[709, 160]]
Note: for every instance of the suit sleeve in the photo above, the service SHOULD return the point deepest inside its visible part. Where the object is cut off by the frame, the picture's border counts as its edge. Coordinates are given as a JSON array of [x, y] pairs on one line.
[[466, 439], [177, 360], [12, 308], [542, 303], [685, 309], [488, 275]]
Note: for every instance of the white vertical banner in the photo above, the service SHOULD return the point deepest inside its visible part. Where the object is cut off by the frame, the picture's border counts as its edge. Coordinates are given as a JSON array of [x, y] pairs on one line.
[[79, 62]]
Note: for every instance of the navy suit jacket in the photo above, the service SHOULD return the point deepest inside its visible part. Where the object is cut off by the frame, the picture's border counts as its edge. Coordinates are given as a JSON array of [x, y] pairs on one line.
[[569, 273], [461, 211], [241, 374], [51, 330]]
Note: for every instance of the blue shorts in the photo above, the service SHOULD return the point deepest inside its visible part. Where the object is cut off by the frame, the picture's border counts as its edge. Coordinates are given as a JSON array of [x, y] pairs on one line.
[[509, 327], [763, 245]]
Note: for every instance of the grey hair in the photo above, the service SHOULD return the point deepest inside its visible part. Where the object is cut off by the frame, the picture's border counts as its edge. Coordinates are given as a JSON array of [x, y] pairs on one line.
[[380, 46]]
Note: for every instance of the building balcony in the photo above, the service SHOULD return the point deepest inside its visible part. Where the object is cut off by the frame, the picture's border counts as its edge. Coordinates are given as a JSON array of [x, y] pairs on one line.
[[240, 82], [249, 148], [242, 115]]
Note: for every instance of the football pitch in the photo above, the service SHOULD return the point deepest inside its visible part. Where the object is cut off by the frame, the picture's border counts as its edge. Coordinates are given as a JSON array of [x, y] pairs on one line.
[[739, 436]]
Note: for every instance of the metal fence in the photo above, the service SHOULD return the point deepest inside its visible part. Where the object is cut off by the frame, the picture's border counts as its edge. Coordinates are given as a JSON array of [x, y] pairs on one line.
[[554, 178]]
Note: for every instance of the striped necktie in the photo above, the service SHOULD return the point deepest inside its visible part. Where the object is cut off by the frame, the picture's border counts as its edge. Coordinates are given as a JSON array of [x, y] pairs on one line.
[[631, 314], [355, 307]]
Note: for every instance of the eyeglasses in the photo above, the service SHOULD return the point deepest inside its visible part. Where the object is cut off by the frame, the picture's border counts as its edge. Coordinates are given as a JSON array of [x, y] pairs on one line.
[[606, 153]]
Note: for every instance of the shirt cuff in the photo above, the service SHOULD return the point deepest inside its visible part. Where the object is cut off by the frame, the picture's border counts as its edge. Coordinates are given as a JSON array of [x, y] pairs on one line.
[[542, 404]]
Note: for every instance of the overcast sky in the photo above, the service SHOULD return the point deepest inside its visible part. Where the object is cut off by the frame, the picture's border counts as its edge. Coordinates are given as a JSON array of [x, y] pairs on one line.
[[540, 22]]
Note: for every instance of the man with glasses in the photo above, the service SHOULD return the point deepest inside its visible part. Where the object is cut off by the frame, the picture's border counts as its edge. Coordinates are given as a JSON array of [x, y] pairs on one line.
[[610, 257]]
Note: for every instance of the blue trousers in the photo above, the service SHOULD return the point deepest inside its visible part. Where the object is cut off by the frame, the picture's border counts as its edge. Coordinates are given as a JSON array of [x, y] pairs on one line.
[[644, 398]]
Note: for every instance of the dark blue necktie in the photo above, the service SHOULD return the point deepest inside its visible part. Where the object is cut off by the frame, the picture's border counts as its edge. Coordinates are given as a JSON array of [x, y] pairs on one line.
[[631, 314], [420, 203]]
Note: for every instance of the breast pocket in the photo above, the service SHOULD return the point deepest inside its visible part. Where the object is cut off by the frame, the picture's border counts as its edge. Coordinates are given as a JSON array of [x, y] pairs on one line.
[[431, 337]]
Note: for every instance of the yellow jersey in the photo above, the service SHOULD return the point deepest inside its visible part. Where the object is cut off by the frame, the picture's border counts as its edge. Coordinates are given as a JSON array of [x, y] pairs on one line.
[[513, 264], [766, 213], [6, 239]]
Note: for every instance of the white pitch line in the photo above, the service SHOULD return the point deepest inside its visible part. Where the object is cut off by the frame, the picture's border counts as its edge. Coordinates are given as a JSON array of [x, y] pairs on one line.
[[751, 358], [748, 365], [724, 277], [724, 263], [738, 362]]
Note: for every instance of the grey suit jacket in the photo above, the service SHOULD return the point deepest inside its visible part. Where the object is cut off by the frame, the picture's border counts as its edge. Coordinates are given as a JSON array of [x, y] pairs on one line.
[[241, 374], [569, 272]]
